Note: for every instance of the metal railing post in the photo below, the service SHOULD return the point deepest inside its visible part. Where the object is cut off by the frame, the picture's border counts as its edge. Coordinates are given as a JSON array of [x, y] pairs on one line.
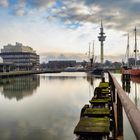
[[119, 117], [131, 110]]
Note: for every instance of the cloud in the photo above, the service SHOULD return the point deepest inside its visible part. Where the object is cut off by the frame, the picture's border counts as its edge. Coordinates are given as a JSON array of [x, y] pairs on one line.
[[20, 8], [24, 7], [62, 56], [68, 25], [116, 14], [4, 3], [40, 3], [119, 15]]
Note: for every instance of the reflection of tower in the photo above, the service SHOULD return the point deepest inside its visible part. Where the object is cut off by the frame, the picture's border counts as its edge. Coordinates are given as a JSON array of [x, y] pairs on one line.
[[102, 39]]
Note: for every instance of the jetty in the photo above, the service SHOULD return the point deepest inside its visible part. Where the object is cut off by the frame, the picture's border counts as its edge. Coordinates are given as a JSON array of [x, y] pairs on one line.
[[102, 118], [23, 73]]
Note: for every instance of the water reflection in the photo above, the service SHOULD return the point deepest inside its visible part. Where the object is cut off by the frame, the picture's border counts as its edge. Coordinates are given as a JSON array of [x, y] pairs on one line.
[[58, 77], [90, 79], [126, 86], [136, 84], [135, 79], [19, 87], [50, 114]]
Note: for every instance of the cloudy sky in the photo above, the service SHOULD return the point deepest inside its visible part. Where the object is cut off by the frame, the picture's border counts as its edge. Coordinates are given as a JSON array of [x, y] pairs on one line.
[[67, 26]]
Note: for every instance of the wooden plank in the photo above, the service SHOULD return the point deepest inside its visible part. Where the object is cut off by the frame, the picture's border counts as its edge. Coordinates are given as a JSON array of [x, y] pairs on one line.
[[104, 84], [105, 91], [93, 126], [98, 101], [97, 112]]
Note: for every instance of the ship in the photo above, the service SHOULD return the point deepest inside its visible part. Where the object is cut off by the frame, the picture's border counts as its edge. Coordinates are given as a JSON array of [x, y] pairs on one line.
[[134, 70], [98, 72]]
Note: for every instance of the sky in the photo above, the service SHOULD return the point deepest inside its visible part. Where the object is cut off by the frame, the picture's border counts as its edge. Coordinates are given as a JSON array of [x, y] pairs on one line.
[[66, 27]]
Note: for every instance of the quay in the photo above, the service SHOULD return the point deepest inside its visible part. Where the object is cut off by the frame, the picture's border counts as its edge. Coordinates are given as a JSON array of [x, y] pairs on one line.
[[102, 118], [23, 73]]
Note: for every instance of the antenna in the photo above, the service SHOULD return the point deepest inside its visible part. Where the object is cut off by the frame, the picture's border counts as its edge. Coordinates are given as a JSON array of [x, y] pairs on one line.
[[101, 38]]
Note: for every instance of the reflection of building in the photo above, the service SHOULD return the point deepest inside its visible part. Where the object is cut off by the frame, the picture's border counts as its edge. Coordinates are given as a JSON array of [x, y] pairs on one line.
[[23, 57], [5, 67], [20, 87], [61, 64]]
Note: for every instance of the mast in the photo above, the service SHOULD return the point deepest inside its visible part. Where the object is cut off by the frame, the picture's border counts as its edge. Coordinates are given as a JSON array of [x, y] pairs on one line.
[[93, 50], [92, 57], [101, 38], [135, 50], [128, 53], [89, 52]]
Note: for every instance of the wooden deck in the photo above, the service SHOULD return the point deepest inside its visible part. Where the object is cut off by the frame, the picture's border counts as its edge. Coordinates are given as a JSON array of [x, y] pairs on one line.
[[96, 118], [97, 112], [93, 126]]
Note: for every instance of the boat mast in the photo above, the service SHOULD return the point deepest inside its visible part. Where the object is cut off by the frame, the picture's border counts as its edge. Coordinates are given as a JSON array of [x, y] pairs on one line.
[[93, 51], [89, 52], [135, 51], [128, 51], [92, 57]]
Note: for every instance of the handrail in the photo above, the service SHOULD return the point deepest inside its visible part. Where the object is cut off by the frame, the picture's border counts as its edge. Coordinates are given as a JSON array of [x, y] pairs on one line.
[[131, 110]]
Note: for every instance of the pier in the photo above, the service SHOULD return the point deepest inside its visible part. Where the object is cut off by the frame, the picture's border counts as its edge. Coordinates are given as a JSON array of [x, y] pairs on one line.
[[23, 73], [102, 118]]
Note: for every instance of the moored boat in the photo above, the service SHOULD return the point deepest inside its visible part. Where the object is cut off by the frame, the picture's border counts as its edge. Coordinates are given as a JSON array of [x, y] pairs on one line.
[[135, 71], [98, 72]]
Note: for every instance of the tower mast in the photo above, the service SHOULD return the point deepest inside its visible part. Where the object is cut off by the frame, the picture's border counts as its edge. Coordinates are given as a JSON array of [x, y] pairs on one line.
[[101, 38]]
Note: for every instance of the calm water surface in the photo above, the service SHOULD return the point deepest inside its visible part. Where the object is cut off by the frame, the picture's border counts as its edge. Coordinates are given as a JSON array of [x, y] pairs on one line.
[[47, 107]]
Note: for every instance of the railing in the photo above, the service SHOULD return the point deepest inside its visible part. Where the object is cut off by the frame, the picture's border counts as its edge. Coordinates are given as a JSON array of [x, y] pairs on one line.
[[121, 99]]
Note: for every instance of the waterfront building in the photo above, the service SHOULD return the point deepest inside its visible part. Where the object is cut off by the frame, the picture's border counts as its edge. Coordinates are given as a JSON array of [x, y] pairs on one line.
[[23, 57], [61, 64]]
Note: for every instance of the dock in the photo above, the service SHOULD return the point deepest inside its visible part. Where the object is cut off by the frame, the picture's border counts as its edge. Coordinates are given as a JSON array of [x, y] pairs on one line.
[[24, 73], [96, 118], [102, 118]]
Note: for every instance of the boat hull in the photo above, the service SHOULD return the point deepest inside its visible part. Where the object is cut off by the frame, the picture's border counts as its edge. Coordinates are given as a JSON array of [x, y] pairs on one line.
[[98, 72], [135, 72], [132, 72]]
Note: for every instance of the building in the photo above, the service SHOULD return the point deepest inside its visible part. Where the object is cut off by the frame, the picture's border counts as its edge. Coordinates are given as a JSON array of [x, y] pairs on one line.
[[61, 64], [22, 57]]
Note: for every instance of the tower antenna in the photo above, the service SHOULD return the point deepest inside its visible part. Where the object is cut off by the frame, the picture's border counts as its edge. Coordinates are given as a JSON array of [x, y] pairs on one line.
[[101, 38]]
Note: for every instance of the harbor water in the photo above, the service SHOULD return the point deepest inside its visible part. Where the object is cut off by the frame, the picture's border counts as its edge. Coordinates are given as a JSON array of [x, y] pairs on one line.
[[47, 106]]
